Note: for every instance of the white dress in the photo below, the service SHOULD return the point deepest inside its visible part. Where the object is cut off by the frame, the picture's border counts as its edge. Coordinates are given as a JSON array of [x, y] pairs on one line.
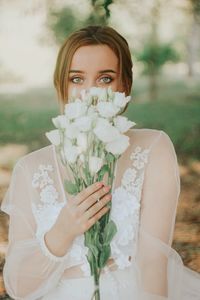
[[144, 202]]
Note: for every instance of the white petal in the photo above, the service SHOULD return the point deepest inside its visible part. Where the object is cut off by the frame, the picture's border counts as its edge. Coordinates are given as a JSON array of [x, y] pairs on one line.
[[95, 164], [123, 124], [95, 91], [118, 146], [120, 99], [71, 154], [105, 131], [75, 109], [71, 131], [53, 136], [107, 109], [84, 123], [82, 141], [60, 121]]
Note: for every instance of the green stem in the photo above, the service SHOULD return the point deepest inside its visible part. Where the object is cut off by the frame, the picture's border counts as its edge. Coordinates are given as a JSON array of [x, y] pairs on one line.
[[96, 294]]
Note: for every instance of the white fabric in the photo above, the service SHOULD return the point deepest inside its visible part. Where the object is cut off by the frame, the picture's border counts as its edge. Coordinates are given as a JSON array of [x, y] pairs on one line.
[[145, 197]]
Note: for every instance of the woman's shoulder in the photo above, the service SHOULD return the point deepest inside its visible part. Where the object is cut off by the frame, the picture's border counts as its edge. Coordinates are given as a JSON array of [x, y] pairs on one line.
[[37, 156], [148, 138], [145, 136]]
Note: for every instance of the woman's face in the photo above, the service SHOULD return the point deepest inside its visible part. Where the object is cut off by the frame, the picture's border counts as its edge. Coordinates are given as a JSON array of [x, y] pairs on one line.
[[94, 65]]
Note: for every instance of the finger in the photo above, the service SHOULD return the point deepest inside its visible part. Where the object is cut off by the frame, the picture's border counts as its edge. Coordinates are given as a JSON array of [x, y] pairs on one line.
[[90, 222], [96, 207], [88, 191], [92, 199]]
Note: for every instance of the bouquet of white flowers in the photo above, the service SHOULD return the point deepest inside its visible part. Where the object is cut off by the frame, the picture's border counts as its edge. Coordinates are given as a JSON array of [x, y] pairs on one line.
[[90, 138]]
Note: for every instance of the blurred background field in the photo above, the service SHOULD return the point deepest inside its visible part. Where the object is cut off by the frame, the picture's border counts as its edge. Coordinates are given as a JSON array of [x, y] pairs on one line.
[[164, 37]]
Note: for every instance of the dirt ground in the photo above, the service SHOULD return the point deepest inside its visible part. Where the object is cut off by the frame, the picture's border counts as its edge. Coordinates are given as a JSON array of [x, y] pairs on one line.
[[187, 228]]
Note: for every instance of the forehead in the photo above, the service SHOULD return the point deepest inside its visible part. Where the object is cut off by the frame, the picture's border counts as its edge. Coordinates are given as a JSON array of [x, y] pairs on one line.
[[94, 56]]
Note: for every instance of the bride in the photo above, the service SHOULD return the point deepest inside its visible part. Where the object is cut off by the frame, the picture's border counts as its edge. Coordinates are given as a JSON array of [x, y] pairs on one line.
[[46, 257]]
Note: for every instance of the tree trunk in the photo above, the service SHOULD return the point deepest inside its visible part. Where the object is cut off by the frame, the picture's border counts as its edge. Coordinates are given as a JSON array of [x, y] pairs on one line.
[[153, 87], [193, 46]]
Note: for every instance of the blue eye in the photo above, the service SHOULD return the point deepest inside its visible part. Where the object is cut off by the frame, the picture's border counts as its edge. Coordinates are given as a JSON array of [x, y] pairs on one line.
[[106, 79], [76, 80]]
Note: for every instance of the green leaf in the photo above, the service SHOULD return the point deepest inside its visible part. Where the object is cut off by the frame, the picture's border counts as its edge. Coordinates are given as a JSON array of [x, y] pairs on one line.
[[102, 172], [109, 232], [71, 187], [87, 175], [110, 157], [94, 250], [91, 261], [104, 256]]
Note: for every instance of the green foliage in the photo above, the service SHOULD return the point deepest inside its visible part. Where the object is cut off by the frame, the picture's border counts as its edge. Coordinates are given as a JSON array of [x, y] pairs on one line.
[[104, 256], [154, 56], [71, 187], [102, 172], [62, 23], [100, 12], [109, 231]]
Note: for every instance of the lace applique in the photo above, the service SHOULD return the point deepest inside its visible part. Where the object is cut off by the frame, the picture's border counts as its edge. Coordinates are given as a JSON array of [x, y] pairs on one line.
[[126, 208], [78, 253], [47, 210]]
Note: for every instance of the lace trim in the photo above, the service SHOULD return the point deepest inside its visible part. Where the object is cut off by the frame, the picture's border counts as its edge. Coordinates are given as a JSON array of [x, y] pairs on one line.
[[126, 208], [47, 210]]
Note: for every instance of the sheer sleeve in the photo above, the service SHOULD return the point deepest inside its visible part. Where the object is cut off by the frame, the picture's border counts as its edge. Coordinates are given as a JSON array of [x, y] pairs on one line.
[[30, 270], [161, 269]]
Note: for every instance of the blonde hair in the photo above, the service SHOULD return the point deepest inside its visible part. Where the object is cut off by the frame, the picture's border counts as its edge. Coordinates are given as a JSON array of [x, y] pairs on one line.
[[92, 35]]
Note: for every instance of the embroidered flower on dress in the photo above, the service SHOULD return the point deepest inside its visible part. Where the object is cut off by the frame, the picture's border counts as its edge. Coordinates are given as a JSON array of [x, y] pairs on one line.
[[139, 157], [126, 207], [48, 194], [129, 176], [41, 178], [47, 209]]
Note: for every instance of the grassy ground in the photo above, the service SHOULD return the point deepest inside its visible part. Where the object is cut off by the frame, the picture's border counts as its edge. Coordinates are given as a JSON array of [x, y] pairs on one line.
[[24, 118]]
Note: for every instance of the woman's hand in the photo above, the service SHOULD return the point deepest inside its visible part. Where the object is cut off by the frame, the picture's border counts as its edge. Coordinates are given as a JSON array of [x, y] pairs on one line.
[[82, 211]]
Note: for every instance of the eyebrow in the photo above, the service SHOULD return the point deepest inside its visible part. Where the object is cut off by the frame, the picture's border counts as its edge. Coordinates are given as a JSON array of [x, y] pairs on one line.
[[102, 71]]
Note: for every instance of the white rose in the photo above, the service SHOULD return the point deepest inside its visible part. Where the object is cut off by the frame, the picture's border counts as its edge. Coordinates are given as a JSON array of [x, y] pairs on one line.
[[82, 141], [84, 123], [107, 109], [60, 121], [71, 131], [123, 124], [118, 146], [53, 136], [95, 164], [103, 95], [75, 109], [82, 158], [95, 91], [105, 131], [67, 142], [121, 100], [71, 153]]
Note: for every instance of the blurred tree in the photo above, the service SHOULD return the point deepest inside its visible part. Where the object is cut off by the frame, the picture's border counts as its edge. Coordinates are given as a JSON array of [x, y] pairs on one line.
[[100, 12], [193, 41], [154, 53], [62, 22], [154, 56]]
